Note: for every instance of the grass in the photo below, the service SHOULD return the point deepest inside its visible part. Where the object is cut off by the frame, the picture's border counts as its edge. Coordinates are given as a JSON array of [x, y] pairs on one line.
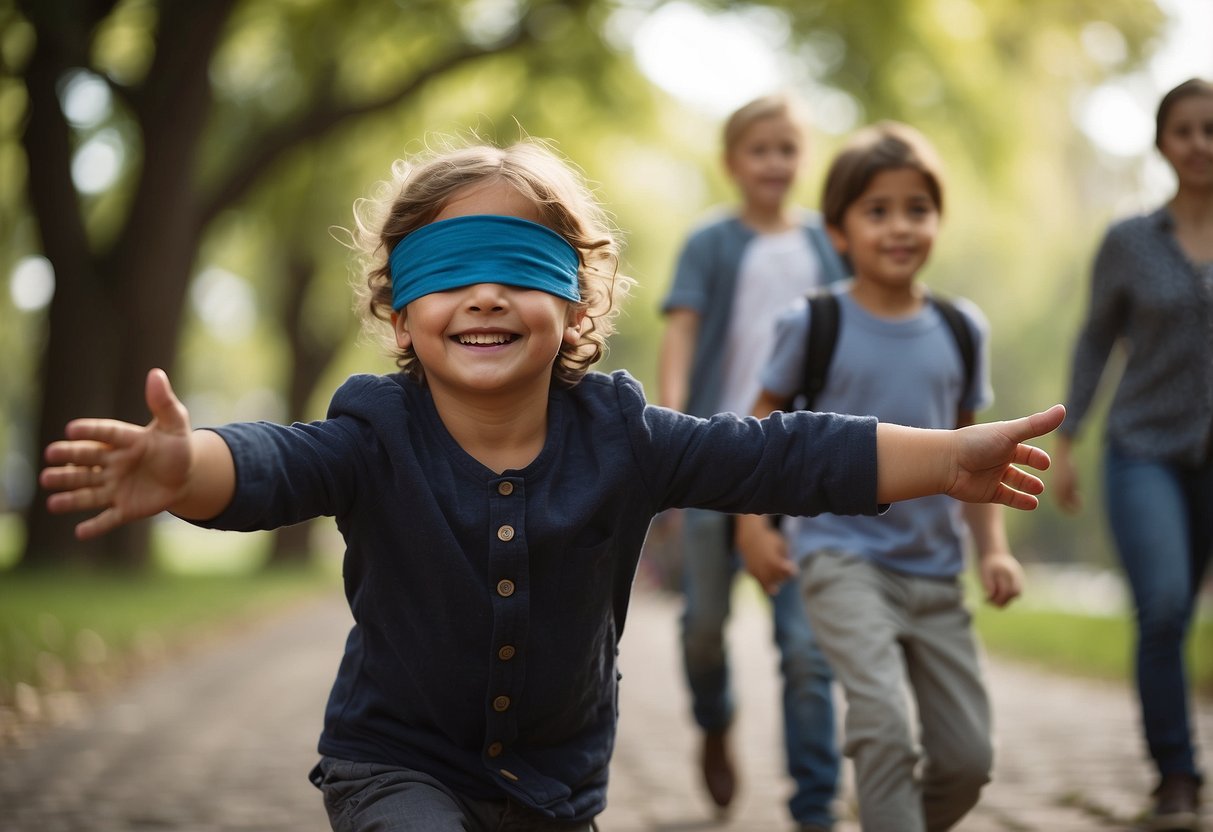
[[71, 630], [1091, 645]]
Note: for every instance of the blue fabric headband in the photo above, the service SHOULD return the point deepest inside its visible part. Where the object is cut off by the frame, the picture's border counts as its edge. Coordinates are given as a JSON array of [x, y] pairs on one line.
[[482, 248]]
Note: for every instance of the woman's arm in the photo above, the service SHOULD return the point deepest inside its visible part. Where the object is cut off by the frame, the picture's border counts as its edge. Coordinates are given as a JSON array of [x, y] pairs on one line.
[[1105, 321]]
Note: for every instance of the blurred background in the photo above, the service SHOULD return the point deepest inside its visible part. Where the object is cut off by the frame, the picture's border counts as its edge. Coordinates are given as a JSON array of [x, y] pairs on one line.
[[174, 178]]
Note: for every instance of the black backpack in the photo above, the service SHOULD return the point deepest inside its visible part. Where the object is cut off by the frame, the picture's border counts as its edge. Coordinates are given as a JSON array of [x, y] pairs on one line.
[[823, 337]]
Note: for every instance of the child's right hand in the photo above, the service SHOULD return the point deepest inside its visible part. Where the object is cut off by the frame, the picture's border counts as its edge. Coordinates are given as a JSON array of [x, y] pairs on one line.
[[764, 551], [129, 471]]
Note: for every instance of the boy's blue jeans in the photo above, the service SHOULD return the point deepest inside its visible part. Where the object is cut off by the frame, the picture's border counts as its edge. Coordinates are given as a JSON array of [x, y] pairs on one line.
[[1161, 517], [709, 567]]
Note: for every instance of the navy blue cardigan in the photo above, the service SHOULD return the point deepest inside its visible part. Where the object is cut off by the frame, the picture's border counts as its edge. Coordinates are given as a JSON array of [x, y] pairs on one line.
[[488, 607]]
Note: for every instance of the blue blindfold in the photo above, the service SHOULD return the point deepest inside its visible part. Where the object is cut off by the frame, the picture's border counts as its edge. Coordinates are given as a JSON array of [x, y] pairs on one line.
[[482, 248]]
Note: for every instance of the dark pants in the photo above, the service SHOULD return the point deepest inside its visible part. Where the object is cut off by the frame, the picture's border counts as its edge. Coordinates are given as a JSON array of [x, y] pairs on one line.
[[368, 797]]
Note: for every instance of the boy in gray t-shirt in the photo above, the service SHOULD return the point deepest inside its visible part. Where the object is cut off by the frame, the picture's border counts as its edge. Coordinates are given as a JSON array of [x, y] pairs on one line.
[[882, 593]]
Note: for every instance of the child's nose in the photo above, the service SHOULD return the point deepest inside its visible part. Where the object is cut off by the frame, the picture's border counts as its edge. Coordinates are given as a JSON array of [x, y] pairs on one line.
[[487, 297]]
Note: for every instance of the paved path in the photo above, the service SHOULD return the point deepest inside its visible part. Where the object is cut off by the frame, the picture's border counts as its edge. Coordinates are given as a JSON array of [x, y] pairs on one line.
[[1068, 754], [221, 742]]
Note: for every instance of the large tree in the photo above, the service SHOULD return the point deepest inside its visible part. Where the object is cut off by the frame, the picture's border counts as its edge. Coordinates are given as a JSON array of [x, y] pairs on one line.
[[118, 306]]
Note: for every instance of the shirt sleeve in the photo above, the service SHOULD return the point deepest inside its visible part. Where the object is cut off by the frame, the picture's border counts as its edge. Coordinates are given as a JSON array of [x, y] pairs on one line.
[[1104, 323], [797, 463], [289, 473], [689, 289]]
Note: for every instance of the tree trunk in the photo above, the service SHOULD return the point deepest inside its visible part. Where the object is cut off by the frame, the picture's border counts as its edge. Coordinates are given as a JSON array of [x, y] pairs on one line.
[[115, 316], [309, 355], [77, 366]]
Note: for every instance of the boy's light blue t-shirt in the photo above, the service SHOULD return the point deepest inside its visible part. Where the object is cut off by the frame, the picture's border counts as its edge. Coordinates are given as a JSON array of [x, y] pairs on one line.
[[908, 372]]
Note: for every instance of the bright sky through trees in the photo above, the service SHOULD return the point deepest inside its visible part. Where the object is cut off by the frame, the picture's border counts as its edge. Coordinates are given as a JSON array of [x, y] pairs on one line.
[[717, 62]]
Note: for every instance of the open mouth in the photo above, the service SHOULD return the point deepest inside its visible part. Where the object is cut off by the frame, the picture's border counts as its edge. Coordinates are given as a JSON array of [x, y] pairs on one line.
[[485, 339]]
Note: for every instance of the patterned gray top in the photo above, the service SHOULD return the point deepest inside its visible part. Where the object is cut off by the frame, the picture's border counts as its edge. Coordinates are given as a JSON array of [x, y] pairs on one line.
[[1148, 296]]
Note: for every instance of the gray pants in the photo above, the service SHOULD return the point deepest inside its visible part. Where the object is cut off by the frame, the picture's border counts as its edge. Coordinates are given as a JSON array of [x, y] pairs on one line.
[[367, 797], [881, 630]]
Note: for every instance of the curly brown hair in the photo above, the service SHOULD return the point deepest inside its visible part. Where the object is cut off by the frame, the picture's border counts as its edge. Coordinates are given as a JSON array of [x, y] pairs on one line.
[[422, 186]]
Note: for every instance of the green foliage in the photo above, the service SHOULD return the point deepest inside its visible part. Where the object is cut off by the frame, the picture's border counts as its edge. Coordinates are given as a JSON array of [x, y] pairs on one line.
[[342, 89]]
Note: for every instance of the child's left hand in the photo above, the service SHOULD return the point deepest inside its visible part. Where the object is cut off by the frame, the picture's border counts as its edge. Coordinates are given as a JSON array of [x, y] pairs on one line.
[[1001, 578]]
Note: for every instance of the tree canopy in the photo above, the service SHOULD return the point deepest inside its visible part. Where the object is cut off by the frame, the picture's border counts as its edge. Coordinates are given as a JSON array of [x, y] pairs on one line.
[[237, 133]]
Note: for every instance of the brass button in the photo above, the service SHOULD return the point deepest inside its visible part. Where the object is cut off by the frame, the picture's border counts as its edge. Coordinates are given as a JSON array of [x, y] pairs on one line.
[[505, 489], [509, 775], [505, 588], [501, 703], [506, 652], [505, 533], [495, 749]]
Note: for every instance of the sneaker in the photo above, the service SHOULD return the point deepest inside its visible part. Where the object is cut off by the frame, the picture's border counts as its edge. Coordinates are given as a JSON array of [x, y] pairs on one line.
[[718, 773], [1176, 804]]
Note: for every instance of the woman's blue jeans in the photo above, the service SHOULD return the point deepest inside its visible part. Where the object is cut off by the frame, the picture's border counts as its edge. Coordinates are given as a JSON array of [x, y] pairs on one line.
[[1161, 516], [709, 569]]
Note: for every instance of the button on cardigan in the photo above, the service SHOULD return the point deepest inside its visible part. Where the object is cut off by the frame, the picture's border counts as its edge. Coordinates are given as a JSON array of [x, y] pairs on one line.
[[485, 657]]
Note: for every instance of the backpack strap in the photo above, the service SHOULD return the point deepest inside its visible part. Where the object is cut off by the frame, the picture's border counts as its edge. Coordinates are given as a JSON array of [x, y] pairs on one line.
[[823, 314], [823, 335], [963, 335]]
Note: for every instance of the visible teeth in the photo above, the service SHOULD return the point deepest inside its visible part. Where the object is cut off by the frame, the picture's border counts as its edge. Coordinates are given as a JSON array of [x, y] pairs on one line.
[[484, 338]]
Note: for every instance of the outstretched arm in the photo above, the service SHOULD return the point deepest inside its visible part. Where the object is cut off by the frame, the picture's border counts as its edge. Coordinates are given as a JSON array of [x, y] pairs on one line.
[[976, 464], [131, 471]]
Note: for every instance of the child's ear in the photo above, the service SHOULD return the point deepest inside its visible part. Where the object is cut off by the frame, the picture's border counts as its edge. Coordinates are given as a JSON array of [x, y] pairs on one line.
[[572, 329], [404, 339], [837, 238]]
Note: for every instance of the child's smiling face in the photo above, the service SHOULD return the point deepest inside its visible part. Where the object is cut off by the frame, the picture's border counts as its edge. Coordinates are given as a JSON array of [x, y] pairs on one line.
[[889, 230], [765, 161], [487, 337]]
